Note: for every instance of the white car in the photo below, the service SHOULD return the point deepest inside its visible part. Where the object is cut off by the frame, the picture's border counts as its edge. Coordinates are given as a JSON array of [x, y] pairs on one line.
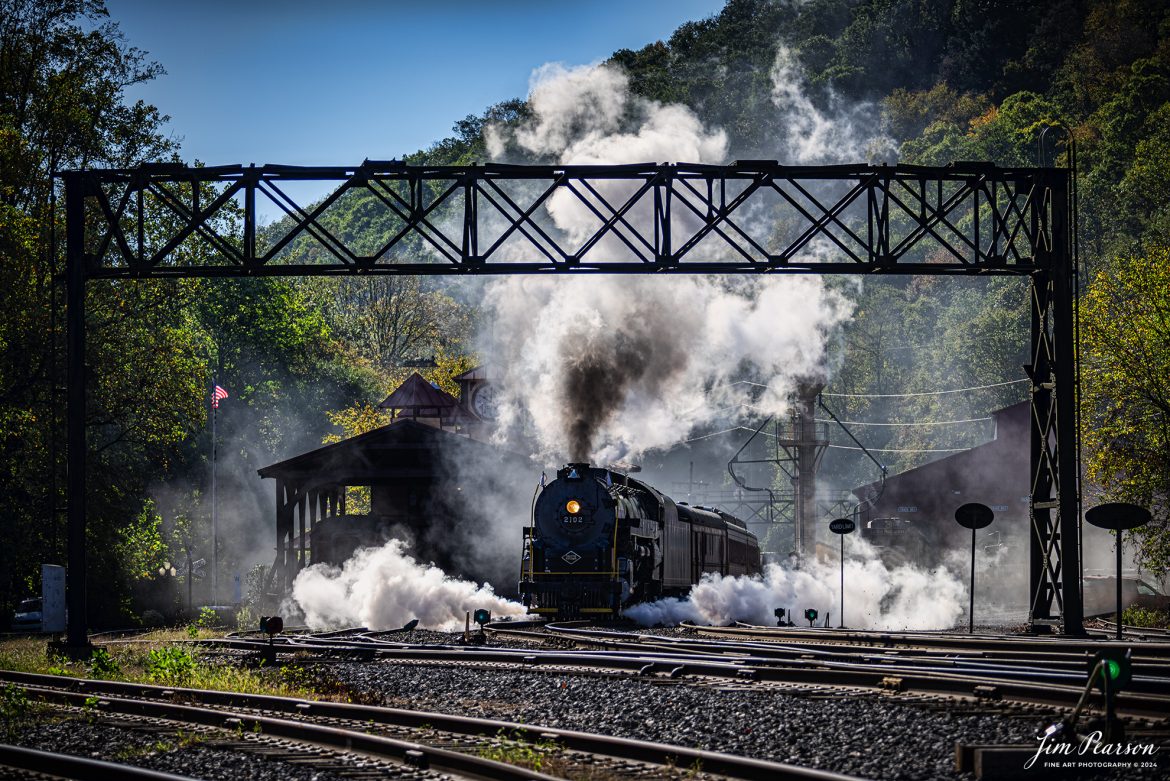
[[27, 617]]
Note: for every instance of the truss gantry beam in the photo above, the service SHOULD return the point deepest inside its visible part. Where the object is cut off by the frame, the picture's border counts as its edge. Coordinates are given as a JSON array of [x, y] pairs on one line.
[[163, 221], [751, 216]]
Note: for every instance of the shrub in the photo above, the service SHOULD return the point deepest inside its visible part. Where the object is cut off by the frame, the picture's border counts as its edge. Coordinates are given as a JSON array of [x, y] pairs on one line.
[[1142, 616], [170, 666], [102, 665]]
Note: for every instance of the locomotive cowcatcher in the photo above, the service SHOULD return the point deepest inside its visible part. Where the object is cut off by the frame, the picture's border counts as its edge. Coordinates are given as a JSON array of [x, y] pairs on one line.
[[600, 541]]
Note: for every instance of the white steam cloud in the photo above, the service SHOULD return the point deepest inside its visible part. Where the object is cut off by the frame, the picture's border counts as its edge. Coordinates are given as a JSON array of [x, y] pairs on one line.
[[605, 368], [383, 588], [876, 597], [587, 115], [813, 136]]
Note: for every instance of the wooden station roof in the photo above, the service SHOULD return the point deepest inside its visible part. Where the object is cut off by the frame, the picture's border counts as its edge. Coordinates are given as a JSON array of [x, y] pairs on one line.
[[402, 449]]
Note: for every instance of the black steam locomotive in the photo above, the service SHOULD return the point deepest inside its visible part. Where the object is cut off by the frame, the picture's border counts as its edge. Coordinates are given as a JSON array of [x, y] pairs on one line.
[[600, 541]]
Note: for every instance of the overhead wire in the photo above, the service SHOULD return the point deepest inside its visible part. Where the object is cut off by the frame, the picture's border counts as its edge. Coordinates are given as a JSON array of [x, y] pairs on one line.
[[912, 423], [894, 450], [923, 393]]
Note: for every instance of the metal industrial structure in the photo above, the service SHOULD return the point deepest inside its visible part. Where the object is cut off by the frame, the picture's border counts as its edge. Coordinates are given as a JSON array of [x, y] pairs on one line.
[[797, 446], [164, 221]]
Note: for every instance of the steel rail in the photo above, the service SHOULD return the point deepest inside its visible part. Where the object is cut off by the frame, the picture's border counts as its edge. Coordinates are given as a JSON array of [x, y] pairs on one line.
[[69, 766], [1146, 684], [602, 745], [887, 639], [1151, 676], [1138, 632], [1155, 669], [403, 752], [1155, 665]]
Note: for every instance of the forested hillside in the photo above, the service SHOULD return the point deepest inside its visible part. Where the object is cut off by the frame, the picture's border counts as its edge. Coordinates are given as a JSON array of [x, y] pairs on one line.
[[919, 82], [936, 82]]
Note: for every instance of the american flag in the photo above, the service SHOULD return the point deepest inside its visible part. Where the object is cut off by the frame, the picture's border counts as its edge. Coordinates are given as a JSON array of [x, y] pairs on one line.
[[216, 395]]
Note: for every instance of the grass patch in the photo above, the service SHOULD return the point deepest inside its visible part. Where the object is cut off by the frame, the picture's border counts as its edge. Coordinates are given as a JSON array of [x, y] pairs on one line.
[[162, 657], [16, 710], [513, 751], [164, 745]]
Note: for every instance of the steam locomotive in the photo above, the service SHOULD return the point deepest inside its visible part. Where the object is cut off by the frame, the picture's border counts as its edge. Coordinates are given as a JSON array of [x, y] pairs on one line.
[[600, 541]]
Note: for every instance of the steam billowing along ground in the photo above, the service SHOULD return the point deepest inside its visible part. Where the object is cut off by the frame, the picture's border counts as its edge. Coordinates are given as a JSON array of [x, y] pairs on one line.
[[876, 597], [384, 588]]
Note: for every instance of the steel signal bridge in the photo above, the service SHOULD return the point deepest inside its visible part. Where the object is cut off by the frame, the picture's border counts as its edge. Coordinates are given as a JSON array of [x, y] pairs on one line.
[[163, 221]]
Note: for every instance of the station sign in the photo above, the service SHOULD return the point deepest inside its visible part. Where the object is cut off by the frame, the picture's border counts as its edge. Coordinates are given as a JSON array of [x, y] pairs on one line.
[[974, 516], [1117, 516], [842, 526]]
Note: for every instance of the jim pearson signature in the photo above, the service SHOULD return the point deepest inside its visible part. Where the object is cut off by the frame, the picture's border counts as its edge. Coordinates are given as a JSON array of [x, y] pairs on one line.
[[1091, 744]]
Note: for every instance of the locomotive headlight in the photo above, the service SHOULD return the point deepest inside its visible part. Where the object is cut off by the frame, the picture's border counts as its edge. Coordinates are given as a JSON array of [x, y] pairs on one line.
[[573, 507]]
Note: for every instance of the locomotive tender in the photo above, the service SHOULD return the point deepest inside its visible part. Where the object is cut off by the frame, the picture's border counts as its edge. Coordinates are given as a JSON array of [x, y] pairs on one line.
[[600, 541]]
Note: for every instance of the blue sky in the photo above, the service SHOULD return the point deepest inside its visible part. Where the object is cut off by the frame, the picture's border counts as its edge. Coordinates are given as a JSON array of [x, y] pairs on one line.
[[306, 83]]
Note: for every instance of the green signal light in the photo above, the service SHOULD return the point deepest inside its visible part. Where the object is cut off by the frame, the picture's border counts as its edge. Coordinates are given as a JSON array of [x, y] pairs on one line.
[[1115, 666]]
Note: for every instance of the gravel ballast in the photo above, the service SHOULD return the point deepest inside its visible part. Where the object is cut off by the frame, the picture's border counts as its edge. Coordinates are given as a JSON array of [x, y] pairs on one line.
[[868, 737]]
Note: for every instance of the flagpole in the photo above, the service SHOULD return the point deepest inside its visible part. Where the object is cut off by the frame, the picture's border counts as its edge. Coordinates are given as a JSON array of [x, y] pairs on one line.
[[214, 509]]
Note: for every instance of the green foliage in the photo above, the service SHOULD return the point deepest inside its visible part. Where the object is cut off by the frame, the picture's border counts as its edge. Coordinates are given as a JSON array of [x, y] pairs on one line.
[[1146, 617], [102, 665], [14, 710], [14, 702], [1125, 354], [170, 665], [207, 619], [142, 549], [63, 106], [510, 748]]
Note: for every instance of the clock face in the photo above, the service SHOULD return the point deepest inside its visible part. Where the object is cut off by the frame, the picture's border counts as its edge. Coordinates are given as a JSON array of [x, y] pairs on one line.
[[483, 401]]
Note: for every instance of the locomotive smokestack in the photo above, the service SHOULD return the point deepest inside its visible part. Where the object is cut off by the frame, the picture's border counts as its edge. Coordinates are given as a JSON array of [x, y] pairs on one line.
[[575, 471]]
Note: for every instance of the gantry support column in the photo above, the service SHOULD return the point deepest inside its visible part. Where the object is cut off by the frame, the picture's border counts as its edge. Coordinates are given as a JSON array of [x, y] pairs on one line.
[[1054, 561], [75, 597]]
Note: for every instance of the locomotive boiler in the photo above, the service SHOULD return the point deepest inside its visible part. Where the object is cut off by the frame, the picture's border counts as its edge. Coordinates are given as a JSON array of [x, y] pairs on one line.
[[600, 541]]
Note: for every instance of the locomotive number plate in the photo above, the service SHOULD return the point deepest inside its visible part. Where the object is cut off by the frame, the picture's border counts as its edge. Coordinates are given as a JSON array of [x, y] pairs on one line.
[[571, 557]]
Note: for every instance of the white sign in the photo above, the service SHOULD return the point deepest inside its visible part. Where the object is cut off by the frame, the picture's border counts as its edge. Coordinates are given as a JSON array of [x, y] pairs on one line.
[[52, 598]]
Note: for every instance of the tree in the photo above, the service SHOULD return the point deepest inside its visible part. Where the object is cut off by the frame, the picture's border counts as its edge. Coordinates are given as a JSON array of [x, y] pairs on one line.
[[64, 69], [388, 320], [1125, 413]]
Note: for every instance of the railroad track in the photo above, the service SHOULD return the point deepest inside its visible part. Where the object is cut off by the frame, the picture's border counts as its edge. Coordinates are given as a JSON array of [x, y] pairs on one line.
[[348, 727], [17, 762], [991, 674], [1153, 661], [1109, 630]]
